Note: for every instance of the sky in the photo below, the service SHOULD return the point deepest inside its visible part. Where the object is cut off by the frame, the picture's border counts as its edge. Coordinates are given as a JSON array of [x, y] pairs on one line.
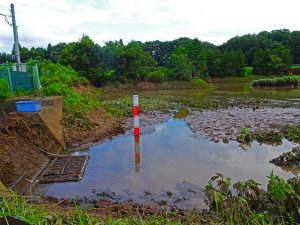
[[52, 21]]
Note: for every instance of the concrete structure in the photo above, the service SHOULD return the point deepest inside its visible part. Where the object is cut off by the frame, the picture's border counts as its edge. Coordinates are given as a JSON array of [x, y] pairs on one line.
[[49, 118]]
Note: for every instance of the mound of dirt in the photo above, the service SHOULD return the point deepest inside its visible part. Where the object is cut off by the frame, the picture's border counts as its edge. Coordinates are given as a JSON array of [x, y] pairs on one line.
[[105, 127], [20, 157]]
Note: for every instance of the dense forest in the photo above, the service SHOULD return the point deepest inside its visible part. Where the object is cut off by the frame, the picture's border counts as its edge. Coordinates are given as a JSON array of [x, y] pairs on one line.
[[267, 53]]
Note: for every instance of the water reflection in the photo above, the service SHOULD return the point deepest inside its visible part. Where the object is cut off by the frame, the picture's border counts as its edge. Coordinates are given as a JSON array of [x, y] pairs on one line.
[[137, 156]]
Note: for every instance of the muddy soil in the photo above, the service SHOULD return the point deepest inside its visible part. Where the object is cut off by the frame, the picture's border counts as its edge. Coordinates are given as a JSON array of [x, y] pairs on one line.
[[225, 124], [105, 127], [20, 157]]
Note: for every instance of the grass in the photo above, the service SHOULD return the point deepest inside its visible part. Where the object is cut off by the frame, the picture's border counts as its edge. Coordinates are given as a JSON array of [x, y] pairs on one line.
[[51, 213], [277, 81]]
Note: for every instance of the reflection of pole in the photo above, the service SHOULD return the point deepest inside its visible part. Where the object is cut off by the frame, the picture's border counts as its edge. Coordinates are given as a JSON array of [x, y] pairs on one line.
[[137, 156]]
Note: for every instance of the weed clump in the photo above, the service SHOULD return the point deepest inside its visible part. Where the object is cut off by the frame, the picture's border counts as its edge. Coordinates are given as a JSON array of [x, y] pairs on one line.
[[292, 133], [245, 136], [245, 202], [269, 136]]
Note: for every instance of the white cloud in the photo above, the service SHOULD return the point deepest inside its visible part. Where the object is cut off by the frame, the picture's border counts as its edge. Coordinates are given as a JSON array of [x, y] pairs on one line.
[[41, 22]]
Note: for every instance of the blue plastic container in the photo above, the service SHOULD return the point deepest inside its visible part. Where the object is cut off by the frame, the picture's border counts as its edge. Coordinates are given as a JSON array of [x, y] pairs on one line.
[[29, 106]]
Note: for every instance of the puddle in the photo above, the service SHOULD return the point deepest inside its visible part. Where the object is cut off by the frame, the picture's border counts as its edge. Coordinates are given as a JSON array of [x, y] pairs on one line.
[[168, 166]]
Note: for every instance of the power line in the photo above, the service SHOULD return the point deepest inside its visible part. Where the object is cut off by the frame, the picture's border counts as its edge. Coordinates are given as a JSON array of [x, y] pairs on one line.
[[6, 19]]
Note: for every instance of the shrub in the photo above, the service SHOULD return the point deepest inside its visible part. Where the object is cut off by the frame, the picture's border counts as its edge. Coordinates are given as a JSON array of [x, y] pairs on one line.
[[4, 88], [55, 73]]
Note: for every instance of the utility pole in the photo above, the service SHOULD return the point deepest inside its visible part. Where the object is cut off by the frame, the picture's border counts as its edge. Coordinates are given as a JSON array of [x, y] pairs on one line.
[[16, 39]]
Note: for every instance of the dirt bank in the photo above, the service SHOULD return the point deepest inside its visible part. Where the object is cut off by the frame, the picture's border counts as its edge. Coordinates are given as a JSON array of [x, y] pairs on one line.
[[104, 127], [19, 154], [225, 124]]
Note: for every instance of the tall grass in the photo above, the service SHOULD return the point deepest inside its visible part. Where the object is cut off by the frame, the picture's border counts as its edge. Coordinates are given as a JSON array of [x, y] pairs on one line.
[[277, 82]]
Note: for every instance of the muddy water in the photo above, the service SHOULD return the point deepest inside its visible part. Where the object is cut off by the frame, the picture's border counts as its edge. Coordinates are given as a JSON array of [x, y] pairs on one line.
[[167, 166]]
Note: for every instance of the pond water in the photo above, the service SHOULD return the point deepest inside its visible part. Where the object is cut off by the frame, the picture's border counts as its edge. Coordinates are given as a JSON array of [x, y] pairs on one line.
[[168, 165]]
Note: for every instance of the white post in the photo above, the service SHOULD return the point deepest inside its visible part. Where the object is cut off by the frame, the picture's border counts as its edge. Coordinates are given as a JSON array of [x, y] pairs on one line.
[[136, 129]]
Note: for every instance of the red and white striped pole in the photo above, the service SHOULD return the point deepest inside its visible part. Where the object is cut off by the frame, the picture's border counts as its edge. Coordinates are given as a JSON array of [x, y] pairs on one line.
[[136, 113]]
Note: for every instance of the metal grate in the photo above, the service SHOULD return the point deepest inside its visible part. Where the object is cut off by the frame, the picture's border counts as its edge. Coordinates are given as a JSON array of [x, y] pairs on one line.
[[67, 168]]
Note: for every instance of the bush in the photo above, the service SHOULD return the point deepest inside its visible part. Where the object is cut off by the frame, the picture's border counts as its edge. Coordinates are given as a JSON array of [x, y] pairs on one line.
[[55, 73], [4, 88]]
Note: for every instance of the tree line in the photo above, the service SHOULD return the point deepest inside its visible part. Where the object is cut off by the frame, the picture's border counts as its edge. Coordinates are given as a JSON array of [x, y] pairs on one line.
[[181, 59]]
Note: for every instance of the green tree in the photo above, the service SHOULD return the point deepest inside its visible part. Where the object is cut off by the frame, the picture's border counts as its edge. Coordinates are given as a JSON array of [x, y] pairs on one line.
[[232, 63], [180, 66], [280, 60], [134, 63], [197, 56], [295, 44], [83, 56], [260, 61]]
